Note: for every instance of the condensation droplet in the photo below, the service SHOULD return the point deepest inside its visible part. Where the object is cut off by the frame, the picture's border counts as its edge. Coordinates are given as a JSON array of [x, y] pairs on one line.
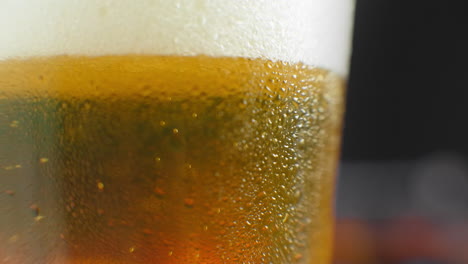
[[189, 202], [13, 239], [159, 191], [285, 219], [100, 186], [148, 231], [14, 124], [35, 209], [39, 218], [261, 194], [87, 106], [43, 160]]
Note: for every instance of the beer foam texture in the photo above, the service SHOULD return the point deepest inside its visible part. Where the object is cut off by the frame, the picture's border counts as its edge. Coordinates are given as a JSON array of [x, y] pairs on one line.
[[315, 32]]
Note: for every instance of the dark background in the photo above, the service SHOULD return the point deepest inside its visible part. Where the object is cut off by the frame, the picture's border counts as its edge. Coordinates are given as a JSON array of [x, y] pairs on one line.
[[408, 87], [403, 184]]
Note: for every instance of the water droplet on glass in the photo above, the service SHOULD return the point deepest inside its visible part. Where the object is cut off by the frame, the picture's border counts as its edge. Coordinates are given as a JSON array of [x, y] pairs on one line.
[[39, 218], [13, 239], [189, 202], [35, 209], [159, 191], [298, 257], [14, 124]]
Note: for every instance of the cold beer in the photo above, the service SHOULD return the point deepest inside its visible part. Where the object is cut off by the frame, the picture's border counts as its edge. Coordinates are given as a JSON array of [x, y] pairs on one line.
[[151, 157]]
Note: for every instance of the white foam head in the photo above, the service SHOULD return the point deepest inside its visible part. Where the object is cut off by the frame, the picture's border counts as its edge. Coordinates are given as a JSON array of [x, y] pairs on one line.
[[316, 32]]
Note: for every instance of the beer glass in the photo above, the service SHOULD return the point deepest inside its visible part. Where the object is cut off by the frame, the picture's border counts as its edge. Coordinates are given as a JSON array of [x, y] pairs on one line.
[[170, 131]]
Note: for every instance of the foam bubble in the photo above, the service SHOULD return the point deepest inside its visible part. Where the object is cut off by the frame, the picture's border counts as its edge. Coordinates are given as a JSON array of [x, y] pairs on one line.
[[316, 32]]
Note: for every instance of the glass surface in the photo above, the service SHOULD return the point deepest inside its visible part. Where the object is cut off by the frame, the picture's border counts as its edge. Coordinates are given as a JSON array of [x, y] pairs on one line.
[[170, 131]]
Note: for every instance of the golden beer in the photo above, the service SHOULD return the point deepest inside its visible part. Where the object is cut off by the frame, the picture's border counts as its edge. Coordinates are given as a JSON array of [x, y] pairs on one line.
[[166, 159], [170, 131]]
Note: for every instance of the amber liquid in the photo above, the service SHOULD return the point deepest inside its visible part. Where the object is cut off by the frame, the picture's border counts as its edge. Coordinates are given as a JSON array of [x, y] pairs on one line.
[[151, 159]]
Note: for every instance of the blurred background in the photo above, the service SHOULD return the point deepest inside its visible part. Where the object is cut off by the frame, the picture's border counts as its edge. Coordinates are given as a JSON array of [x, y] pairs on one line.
[[403, 184]]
